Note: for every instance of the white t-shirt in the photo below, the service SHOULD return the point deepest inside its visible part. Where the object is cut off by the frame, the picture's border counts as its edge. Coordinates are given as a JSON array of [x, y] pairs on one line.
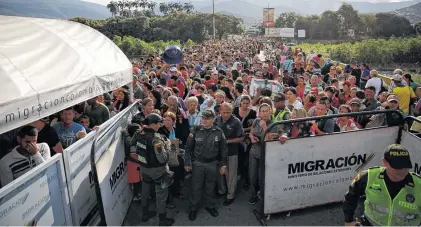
[[375, 82]]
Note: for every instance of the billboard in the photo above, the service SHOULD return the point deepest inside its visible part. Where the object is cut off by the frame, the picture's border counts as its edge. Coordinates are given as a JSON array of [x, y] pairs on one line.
[[287, 32], [272, 32], [301, 33], [269, 17]]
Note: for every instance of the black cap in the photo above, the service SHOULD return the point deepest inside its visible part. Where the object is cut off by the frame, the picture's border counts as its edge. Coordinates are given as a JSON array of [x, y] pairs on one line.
[[132, 128], [397, 157], [208, 114], [152, 118]]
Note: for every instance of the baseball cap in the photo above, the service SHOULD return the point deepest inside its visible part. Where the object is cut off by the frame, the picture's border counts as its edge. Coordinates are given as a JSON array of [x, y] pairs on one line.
[[135, 77], [173, 69], [393, 98], [347, 83], [152, 118], [208, 114], [355, 101], [397, 77], [314, 90], [398, 157], [279, 97]]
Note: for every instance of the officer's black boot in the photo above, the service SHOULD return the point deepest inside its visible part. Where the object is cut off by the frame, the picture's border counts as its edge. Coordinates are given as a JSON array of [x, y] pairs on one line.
[[164, 221], [147, 214]]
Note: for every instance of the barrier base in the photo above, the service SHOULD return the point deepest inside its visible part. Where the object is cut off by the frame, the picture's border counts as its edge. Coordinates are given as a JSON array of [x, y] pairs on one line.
[[259, 217]]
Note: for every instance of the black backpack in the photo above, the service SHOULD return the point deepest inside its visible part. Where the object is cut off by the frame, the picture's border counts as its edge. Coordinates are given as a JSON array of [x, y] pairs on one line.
[[322, 122]]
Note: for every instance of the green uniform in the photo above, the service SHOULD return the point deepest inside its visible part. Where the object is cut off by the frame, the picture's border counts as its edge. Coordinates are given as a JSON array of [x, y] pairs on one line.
[[153, 154], [387, 203], [206, 150], [380, 209]]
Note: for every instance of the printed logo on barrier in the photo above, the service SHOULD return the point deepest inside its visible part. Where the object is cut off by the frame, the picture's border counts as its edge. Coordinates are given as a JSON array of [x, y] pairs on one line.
[[319, 167], [117, 175], [18, 202]]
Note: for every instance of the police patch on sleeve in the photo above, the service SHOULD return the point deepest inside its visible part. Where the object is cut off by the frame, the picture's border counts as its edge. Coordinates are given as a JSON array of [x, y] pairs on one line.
[[191, 135], [158, 147]]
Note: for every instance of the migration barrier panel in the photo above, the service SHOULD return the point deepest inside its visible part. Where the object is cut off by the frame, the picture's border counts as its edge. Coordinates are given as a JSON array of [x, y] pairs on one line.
[[301, 171], [38, 198], [413, 144], [110, 169], [83, 200]]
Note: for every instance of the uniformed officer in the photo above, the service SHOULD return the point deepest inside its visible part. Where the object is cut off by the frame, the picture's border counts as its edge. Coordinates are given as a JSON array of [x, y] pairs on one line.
[[206, 150], [393, 194], [153, 154]]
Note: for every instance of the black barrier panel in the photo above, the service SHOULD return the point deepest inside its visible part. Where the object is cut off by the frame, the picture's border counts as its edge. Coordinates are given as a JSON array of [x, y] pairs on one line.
[[260, 211]]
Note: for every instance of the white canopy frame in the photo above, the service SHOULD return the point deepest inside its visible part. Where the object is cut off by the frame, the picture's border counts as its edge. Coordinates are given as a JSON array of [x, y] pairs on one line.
[[48, 65]]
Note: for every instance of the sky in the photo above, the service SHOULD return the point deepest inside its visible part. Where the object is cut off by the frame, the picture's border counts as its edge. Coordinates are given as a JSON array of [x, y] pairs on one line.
[[105, 2]]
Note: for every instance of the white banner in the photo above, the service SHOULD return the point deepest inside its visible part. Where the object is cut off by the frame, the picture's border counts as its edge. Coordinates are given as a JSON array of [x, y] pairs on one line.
[[50, 102], [287, 32], [301, 33], [38, 198], [300, 172], [116, 193], [83, 199], [273, 85], [272, 32]]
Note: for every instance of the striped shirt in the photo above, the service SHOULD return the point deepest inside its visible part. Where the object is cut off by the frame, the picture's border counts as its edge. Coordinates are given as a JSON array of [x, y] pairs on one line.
[[14, 164]]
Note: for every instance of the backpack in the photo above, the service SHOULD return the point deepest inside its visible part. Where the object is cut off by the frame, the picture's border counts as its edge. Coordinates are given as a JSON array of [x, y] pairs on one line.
[[382, 87], [336, 128]]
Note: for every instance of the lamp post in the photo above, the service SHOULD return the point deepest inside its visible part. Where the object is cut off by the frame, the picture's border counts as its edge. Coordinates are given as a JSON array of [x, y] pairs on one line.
[[213, 18]]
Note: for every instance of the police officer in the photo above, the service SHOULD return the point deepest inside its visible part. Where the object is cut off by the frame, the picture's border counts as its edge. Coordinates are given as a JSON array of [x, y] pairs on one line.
[[393, 194], [153, 154], [206, 150]]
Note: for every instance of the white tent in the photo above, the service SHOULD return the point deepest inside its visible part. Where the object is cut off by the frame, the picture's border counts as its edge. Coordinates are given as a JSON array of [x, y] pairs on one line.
[[48, 65]]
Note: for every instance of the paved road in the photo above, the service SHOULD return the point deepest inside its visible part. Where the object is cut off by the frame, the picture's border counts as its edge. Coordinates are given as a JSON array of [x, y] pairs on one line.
[[240, 213]]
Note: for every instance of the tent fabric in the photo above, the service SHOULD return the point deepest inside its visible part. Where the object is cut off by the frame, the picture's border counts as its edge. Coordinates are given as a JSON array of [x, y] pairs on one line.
[[48, 65]]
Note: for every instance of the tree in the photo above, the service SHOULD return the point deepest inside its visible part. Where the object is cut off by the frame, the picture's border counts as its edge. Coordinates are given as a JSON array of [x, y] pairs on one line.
[[286, 20], [328, 24], [417, 28], [113, 7], [163, 8], [227, 24], [188, 7], [366, 24], [349, 18], [388, 24]]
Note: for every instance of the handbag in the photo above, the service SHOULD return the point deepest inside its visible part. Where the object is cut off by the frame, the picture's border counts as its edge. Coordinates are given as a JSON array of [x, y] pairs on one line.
[[174, 152]]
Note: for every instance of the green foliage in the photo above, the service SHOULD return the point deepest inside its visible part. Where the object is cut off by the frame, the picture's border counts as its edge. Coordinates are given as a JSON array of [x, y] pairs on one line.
[[134, 47], [176, 26], [372, 51], [347, 23]]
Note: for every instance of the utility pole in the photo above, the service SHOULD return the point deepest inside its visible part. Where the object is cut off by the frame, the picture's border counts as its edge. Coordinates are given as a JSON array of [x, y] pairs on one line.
[[213, 18]]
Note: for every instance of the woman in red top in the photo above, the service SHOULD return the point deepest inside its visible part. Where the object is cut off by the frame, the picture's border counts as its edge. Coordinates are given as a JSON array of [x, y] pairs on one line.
[[345, 96], [301, 87]]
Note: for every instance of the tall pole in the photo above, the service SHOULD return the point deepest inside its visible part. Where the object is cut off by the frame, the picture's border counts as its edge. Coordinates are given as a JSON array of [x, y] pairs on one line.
[[213, 18]]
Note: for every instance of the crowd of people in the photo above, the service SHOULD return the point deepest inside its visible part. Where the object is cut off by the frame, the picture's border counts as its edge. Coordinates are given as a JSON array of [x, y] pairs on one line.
[[227, 84]]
